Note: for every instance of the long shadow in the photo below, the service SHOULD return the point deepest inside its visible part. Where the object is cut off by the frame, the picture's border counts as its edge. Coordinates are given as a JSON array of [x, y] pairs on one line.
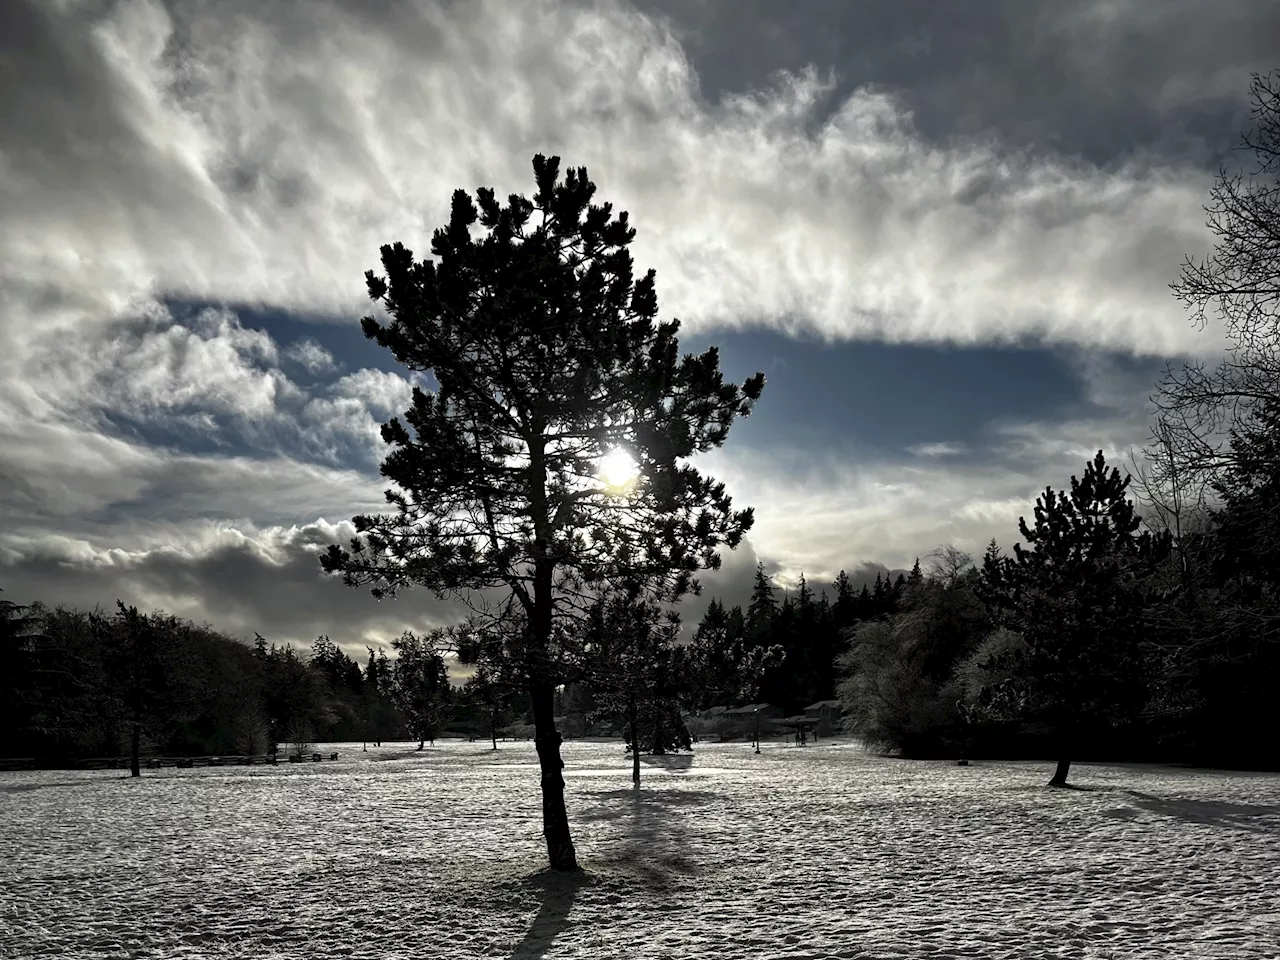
[[653, 849], [558, 892], [403, 755], [675, 762], [637, 801], [28, 787], [1216, 813]]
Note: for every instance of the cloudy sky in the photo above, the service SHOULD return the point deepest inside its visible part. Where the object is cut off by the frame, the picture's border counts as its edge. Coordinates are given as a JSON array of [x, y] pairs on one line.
[[944, 231]]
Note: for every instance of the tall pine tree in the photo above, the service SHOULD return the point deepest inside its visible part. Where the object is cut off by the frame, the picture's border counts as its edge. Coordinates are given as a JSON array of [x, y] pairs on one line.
[[548, 357]]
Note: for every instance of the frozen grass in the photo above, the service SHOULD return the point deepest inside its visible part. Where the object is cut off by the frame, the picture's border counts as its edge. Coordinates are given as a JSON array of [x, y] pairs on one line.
[[820, 851]]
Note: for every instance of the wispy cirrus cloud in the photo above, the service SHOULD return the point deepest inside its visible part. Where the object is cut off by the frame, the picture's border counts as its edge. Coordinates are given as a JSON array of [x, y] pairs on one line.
[[311, 356], [943, 448], [262, 156]]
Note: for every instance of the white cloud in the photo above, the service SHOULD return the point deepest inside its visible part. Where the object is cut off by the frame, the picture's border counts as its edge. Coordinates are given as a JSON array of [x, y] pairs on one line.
[[263, 155], [313, 357], [945, 448], [819, 512]]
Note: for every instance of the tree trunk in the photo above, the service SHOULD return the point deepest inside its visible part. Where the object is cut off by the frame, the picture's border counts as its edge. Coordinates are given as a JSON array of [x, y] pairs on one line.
[[493, 727], [555, 819], [1060, 774], [1067, 740], [635, 742], [420, 744], [135, 744]]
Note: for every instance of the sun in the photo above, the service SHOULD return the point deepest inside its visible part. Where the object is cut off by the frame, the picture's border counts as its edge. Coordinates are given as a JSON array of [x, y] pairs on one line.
[[619, 470]]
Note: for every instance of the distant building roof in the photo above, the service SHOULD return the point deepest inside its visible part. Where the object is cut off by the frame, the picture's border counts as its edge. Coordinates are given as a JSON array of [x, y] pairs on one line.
[[713, 711], [751, 708], [799, 720], [835, 704]]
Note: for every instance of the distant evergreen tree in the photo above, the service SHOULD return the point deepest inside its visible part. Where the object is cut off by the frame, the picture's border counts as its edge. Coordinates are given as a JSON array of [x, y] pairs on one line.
[[343, 691], [844, 610], [727, 666], [24, 654], [916, 577], [141, 668], [763, 609], [294, 698], [420, 685], [639, 673], [498, 687], [1076, 594], [493, 696], [865, 605]]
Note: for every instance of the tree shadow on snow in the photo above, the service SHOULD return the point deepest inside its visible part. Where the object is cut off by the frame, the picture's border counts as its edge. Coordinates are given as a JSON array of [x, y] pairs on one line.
[[627, 799], [402, 755], [49, 784], [557, 891], [675, 762], [652, 850], [1240, 816]]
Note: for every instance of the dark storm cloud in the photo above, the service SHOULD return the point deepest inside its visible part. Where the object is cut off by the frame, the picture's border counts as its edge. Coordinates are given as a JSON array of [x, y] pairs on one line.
[[1099, 78]]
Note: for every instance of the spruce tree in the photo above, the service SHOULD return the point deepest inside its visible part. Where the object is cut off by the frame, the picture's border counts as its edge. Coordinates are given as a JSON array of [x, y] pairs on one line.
[[845, 608], [547, 357], [917, 575], [763, 609]]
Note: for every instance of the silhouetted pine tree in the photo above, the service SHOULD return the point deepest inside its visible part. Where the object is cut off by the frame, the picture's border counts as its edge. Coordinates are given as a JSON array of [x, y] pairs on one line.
[[844, 610], [140, 661], [548, 355], [726, 665], [916, 577]]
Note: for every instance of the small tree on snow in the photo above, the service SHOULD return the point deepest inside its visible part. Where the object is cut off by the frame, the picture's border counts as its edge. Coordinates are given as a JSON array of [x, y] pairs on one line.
[[420, 687], [638, 673], [1075, 594]]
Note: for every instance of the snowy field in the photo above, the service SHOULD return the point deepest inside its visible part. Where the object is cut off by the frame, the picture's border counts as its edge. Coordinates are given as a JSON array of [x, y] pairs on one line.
[[818, 851]]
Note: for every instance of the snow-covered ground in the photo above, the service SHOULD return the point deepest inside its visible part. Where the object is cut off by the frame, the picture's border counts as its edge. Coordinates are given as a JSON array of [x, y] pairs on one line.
[[817, 851]]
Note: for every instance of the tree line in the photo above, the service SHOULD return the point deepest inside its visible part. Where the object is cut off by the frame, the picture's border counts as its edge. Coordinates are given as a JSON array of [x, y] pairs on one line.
[[129, 684]]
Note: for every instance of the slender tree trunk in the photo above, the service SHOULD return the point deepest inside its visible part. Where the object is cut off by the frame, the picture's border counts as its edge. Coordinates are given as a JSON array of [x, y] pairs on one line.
[[634, 714], [493, 726], [555, 819], [1060, 774], [135, 745], [420, 743], [1066, 748]]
